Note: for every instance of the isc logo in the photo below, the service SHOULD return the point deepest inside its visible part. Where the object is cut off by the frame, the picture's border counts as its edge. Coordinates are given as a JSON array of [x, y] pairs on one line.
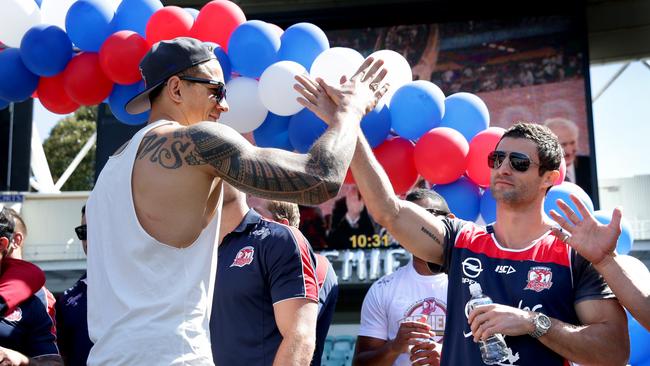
[[504, 269]]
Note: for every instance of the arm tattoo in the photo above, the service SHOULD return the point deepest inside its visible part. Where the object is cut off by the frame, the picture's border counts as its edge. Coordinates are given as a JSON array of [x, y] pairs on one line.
[[431, 235], [168, 157], [274, 175]]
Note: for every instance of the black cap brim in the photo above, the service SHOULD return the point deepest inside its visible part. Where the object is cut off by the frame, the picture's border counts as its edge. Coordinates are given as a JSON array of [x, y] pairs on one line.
[[140, 103]]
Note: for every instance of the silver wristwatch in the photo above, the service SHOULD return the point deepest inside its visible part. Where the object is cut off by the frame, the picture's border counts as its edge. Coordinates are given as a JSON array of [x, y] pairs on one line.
[[542, 325]]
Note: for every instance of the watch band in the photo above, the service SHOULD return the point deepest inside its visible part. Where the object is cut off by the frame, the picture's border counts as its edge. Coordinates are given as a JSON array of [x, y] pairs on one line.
[[542, 325]]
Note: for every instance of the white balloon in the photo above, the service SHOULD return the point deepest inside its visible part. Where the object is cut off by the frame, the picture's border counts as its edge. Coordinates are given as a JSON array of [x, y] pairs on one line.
[[335, 62], [399, 71], [246, 111], [276, 88], [16, 17]]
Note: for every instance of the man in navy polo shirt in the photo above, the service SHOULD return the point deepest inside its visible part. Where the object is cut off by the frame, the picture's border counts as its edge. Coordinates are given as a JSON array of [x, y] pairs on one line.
[[71, 311], [288, 213], [266, 303], [26, 336]]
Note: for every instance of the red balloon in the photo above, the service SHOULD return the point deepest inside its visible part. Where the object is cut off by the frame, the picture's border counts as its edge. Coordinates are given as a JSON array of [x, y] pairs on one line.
[[481, 145], [84, 80], [53, 95], [396, 156], [441, 155], [120, 56], [216, 22], [168, 23], [560, 179]]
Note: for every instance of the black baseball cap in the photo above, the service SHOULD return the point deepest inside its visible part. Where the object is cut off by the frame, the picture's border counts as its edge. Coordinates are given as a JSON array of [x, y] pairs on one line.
[[164, 60]]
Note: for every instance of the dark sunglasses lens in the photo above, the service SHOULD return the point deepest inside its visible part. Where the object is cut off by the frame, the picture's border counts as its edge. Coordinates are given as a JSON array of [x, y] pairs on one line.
[[81, 232], [519, 162], [495, 159]]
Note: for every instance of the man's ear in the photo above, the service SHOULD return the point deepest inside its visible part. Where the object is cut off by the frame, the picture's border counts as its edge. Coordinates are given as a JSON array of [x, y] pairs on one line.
[[174, 89], [18, 240], [451, 216], [550, 177], [284, 221]]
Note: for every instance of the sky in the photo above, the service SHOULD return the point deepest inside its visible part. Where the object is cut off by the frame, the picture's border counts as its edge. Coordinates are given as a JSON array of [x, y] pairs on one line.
[[621, 120]]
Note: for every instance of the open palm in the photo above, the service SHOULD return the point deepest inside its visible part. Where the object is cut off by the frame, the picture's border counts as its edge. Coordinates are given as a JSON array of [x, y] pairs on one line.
[[593, 240]]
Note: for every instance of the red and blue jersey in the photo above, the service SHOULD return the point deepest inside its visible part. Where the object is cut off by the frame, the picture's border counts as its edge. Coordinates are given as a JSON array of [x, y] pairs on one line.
[[28, 329], [547, 276], [260, 263], [328, 293]]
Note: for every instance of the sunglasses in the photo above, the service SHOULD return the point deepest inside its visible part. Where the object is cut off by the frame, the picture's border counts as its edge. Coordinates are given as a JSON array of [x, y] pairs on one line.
[[437, 212], [518, 161], [81, 232], [219, 92]]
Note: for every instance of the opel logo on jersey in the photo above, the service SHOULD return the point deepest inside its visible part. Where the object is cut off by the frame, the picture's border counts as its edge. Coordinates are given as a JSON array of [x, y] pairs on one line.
[[472, 267], [244, 257]]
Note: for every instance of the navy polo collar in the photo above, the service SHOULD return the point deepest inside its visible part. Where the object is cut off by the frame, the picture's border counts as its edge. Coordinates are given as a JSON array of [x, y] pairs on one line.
[[251, 218]]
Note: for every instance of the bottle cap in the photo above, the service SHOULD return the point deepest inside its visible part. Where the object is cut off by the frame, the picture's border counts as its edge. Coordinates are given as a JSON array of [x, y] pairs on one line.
[[475, 289]]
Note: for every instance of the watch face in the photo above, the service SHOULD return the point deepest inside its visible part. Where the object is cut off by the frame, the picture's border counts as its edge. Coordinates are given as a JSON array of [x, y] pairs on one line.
[[544, 321]]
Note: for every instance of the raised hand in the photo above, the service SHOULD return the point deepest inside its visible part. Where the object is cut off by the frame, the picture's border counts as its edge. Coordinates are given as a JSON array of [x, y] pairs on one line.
[[360, 93], [593, 240]]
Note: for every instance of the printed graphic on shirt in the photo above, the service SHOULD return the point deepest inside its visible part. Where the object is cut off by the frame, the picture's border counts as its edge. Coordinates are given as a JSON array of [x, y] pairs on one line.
[[539, 279], [436, 312], [15, 315], [244, 257]]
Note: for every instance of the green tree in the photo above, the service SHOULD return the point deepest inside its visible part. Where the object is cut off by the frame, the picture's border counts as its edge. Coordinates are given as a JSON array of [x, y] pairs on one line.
[[65, 140]]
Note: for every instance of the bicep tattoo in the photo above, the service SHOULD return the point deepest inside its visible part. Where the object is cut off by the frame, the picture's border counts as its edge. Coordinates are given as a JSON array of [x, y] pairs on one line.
[[431, 235], [275, 175]]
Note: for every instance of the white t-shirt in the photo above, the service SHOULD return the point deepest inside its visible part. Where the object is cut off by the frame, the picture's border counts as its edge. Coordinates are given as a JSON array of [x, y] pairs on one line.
[[398, 295]]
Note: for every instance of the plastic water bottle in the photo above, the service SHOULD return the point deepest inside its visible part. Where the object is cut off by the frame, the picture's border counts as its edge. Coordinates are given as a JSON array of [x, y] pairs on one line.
[[493, 349]]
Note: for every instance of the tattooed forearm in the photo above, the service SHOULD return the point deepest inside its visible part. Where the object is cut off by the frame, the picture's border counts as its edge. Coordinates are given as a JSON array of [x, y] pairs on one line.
[[431, 235], [275, 174]]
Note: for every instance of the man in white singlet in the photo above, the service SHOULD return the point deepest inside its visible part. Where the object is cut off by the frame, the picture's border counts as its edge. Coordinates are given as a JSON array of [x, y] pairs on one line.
[[154, 214]]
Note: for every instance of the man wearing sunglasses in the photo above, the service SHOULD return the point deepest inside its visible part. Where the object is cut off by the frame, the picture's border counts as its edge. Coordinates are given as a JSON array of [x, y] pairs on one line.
[[71, 309], [548, 300], [154, 213]]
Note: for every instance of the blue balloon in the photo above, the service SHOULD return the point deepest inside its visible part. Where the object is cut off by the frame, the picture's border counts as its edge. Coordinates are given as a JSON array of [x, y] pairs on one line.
[[223, 59], [463, 198], [4, 104], [120, 95], [133, 15], [304, 129], [376, 125], [625, 240], [488, 207], [253, 47], [17, 83], [639, 341], [274, 132], [302, 43], [562, 192], [466, 113], [46, 50], [416, 108], [193, 12], [88, 23]]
